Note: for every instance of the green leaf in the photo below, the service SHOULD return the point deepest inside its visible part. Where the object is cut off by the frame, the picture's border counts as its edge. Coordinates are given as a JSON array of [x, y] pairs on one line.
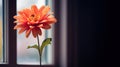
[[34, 46], [46, 42]]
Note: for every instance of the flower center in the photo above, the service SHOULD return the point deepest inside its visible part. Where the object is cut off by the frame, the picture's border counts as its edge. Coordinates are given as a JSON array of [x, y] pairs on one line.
[[33, 18], [32, 15]]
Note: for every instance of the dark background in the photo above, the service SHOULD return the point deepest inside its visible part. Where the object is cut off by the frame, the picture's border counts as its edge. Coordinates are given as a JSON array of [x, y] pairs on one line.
[[89, 44], [95, 33]]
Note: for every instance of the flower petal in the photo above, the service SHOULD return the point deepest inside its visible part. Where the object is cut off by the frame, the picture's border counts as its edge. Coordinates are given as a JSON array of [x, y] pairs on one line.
[[45, 11], [19, 19], [34, 9], [28, 33], [18, 26], [21, 30], [51, 20], [41, 8], [39, 32], [46, 26], [34, 32], [27, 12], [21, 13], [21, 25]]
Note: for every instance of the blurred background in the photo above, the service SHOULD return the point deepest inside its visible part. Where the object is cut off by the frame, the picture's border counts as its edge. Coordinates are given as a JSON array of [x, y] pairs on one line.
[[0, 30]]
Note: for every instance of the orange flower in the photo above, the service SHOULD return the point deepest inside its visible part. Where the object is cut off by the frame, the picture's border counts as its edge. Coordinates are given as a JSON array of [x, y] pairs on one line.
[[32, 20]]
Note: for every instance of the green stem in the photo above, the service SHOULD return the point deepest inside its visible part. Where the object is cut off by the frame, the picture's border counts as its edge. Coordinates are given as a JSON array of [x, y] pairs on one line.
[[39, 49]]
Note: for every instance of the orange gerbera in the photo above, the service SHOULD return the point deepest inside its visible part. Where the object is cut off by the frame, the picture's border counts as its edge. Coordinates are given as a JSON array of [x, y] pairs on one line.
[[32, 20]]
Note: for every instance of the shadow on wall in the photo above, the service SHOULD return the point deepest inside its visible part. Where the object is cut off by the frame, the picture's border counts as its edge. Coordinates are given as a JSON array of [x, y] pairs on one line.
[[0, 40]]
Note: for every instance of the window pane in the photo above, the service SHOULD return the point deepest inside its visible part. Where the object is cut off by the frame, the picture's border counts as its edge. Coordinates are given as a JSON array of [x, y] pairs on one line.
[[31, 56], [3, 33]]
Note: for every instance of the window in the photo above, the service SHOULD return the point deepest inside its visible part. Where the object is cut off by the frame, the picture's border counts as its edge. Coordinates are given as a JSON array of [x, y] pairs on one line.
[[18, 58]]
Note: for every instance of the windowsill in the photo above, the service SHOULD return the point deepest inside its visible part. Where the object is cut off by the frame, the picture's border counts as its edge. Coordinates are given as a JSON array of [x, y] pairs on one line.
[[7, 65], [2, 63]]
